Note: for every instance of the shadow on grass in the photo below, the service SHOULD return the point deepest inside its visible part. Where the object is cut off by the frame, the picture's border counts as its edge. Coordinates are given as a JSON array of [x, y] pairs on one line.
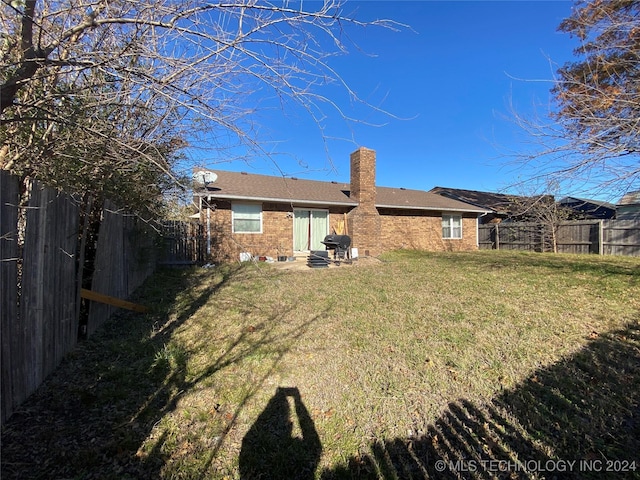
[[90, 418], [271, 448], [260, 337], [579, 418]]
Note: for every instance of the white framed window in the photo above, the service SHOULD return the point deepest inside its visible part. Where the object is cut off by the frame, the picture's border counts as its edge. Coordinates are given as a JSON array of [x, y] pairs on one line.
[[451, 226], [246, 218]]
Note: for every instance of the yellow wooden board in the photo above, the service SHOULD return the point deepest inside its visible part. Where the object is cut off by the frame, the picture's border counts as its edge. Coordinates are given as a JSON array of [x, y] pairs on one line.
[[116, 302]]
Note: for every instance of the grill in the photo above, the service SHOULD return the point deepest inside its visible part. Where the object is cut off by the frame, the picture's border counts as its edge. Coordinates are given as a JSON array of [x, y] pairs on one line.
[[339, 244]]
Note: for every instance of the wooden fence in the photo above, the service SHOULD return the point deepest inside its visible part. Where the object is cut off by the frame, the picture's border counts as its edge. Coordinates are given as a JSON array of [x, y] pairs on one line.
[[43, 267], [183, 243], [39, 285], [603, 237], [126, 255]]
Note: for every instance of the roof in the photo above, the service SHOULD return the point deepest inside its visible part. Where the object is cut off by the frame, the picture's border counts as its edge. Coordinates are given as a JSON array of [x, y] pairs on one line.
[[250, 186], [584, 207], [631, 198], [419, 199], [586, 201], [498, 202], [254, 187]]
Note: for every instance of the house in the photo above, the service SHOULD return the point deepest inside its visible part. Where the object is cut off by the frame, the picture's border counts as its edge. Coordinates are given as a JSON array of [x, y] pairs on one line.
[[277, 216], [584, 208], [500, 206], [628, 207]]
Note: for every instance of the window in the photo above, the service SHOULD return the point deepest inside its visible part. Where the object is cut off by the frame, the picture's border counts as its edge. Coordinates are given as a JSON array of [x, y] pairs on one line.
[[451, 226], [246, 218]]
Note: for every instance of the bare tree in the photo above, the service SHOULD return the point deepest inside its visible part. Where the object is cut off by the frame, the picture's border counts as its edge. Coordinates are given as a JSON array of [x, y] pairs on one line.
[[592, 137], [544, 211], [112, 89]]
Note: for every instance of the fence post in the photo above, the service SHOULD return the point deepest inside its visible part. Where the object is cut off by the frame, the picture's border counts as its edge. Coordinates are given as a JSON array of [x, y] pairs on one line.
[[600, 237], [497, 237]]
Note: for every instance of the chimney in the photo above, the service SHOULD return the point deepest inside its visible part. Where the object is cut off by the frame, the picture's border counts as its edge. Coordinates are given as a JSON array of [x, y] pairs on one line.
[[363, 177], [364, 220]]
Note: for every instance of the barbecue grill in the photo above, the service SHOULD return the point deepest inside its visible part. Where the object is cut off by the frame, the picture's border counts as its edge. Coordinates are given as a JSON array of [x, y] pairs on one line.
[[339, 244]]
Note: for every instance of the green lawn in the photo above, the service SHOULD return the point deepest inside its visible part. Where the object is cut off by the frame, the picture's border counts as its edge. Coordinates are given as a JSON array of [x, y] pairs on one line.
[[498, 364]]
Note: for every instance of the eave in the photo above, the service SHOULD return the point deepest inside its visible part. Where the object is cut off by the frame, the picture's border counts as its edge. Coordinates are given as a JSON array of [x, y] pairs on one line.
[[435, 209], [292, 201]]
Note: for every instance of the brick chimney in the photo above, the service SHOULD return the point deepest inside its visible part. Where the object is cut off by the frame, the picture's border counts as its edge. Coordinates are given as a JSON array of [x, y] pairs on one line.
[[364, 220]]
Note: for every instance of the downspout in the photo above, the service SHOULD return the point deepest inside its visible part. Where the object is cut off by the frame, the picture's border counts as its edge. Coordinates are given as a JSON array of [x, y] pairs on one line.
[[208, 225]]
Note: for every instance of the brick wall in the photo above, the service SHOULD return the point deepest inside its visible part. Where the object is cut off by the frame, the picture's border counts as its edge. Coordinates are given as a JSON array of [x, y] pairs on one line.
[[276, 237], [423, 231], [409, 229], [364, 220]]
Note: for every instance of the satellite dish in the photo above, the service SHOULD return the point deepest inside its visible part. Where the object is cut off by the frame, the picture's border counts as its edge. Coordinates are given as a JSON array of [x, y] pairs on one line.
[[204, 177]]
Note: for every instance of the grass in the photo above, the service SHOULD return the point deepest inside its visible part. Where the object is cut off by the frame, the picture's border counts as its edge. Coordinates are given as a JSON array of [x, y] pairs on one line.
[[363, 372]]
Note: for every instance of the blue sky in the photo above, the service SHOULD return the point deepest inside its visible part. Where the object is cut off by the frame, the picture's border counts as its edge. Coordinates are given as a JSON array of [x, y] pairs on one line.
[[449, 80]]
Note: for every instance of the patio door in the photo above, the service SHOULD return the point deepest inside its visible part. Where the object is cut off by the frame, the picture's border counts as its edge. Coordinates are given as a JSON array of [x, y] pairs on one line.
[[309, 229]]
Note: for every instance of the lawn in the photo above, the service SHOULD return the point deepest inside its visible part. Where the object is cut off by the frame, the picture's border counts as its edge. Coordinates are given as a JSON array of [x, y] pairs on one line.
[[422, 365]]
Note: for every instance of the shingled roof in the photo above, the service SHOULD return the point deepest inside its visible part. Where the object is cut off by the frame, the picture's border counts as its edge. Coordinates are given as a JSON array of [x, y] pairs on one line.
[[498, 202], [418, 199], [249, 186]]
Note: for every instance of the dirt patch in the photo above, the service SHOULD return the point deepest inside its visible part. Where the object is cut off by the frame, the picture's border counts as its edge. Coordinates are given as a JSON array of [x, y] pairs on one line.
[[300, 264]]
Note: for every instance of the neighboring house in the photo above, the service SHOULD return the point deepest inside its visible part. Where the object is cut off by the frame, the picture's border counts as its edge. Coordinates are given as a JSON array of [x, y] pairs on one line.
[[500, 206], [584, 208], [628, 207], [277, 216]]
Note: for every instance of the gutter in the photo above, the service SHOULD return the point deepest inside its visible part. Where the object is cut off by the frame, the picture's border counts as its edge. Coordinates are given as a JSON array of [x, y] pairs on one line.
[[336, 203], [435, 209], [280, 200]]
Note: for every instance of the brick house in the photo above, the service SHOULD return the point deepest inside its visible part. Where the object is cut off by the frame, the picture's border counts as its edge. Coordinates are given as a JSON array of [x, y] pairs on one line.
[[278, 216]]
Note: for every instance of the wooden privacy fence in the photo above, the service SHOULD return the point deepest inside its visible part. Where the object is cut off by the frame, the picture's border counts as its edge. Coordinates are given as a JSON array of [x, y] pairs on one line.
[[39, 286], [43, 268], [603, 237], [183, 243], [125, 256]]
